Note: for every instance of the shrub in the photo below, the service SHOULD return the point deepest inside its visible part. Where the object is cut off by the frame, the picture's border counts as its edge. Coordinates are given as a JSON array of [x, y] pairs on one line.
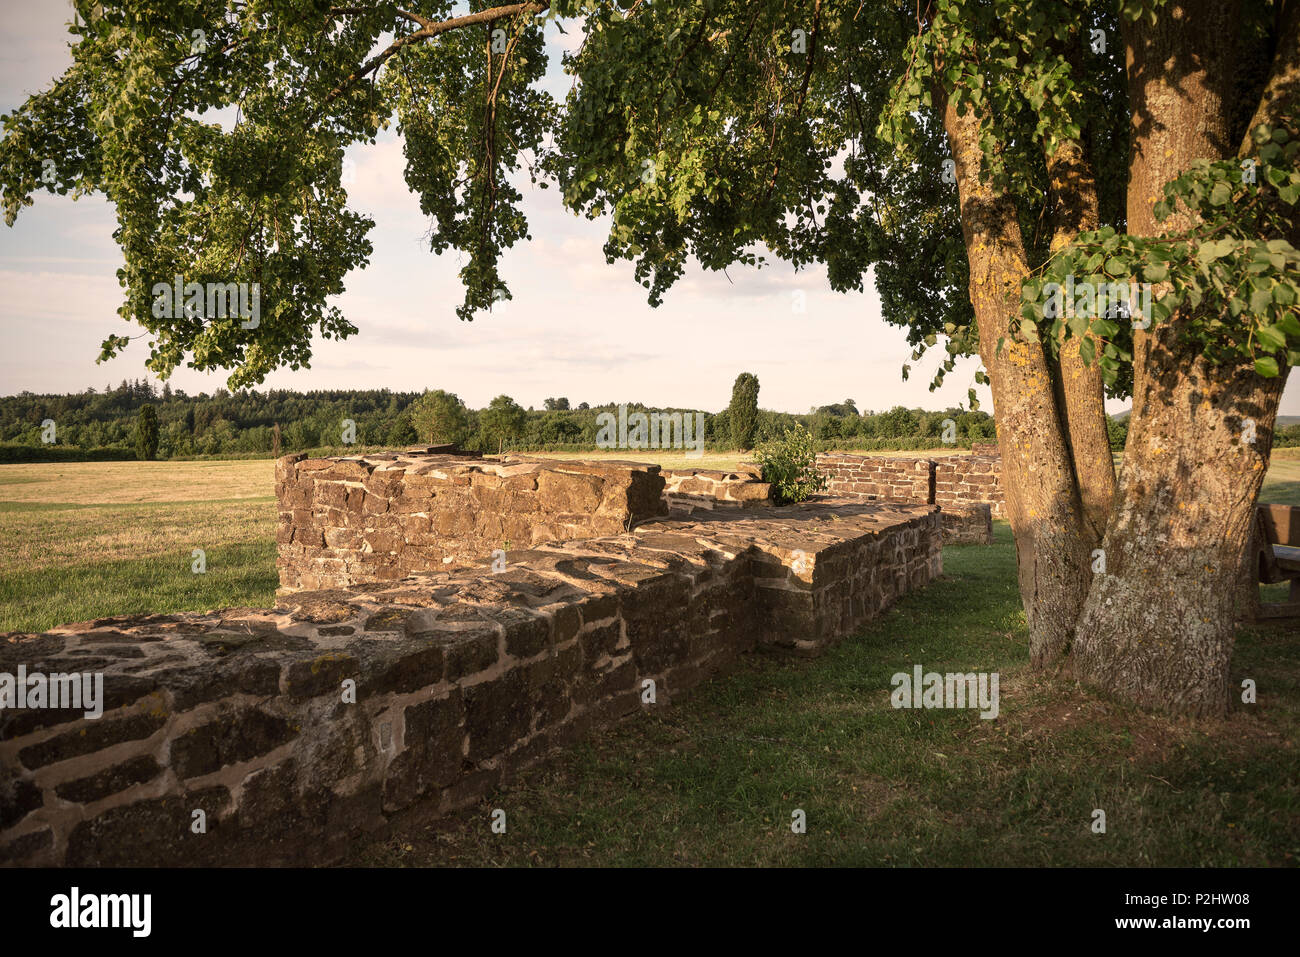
[[790, 465], [1117, 432]]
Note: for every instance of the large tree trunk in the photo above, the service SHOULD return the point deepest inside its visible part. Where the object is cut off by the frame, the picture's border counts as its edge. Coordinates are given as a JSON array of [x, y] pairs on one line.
[[1043, 502], [1158, 627]]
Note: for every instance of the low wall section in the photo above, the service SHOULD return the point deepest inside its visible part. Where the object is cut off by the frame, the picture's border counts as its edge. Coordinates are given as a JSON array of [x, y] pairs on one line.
[[283, 735], [344, 521], [949, 481], [686, 490]]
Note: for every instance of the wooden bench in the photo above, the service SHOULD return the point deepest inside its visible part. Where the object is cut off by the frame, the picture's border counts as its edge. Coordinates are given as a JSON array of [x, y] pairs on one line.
[[1277, 553]]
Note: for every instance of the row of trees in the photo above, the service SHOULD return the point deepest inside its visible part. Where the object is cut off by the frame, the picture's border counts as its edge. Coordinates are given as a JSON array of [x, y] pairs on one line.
[[172, 424]]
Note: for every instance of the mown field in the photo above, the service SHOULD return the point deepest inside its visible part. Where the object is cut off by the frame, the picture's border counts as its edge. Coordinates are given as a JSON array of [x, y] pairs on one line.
[[85, 540], [713, 780]]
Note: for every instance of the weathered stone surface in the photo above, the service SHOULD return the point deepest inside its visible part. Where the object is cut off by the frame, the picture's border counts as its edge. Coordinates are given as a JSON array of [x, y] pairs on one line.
[[91, 736], [109, 781], [228, 739], [967, 524], [158, 829], [418, 511], [18, 798]]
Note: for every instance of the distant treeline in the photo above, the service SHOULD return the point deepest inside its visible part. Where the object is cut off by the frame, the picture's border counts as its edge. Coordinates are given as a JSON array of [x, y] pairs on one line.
[[103, 424]]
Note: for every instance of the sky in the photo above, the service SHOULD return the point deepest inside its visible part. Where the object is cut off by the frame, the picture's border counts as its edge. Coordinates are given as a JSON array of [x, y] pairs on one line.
[[577, 327]]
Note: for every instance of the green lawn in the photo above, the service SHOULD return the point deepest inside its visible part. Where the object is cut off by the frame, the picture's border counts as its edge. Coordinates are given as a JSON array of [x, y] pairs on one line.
[[88, 540], [714, 779], [1282, 484]]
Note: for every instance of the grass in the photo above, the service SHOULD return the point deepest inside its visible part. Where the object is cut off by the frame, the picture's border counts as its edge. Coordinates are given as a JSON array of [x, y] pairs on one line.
[[88, 540], [713, 780], [1282, 484]]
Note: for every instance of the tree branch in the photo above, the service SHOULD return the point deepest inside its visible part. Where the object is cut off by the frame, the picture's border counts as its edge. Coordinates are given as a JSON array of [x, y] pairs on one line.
[[432, 29]]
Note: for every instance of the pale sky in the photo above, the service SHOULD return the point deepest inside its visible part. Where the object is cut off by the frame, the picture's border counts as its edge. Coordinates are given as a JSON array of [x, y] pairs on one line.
[[576, 327]]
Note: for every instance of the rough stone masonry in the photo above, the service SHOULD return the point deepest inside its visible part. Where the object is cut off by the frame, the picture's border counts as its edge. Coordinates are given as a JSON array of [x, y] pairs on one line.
[[283, 735], [968, 488]]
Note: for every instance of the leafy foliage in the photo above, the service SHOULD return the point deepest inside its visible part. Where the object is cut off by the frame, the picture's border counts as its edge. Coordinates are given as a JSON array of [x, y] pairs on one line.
[[440, 416], [790, 465], [503, 419], [1234, 279], [719, 130], [257, 195]]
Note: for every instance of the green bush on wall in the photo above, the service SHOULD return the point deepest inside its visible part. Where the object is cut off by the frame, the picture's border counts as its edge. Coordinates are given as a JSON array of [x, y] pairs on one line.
[[790, 465]]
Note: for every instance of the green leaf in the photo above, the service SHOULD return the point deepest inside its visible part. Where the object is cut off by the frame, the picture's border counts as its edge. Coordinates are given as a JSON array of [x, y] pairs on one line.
[[1271, 338], [1266, 366], [1261, 297]]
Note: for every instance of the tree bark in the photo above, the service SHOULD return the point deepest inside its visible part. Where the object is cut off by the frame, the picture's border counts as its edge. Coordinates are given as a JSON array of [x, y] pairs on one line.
[[1043, 502], [1158, 627], [1082, 393]]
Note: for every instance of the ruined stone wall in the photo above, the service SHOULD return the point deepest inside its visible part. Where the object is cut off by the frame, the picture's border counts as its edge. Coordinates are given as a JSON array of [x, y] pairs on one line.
[[950, 480], [686, 490], [967, 524], [970, 480], [877, 477], [344, 521], [458, 679]]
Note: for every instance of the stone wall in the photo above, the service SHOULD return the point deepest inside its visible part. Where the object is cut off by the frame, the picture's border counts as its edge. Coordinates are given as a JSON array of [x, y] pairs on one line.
[[344, 521], [686, 490], [299, 729], [967, 524], [950, 480], [970, 480], [878, 477]]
